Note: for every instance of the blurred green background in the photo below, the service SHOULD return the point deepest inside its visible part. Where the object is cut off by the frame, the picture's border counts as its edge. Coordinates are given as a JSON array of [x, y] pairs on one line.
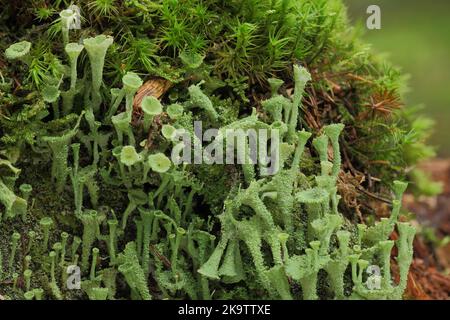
[[416, 36]]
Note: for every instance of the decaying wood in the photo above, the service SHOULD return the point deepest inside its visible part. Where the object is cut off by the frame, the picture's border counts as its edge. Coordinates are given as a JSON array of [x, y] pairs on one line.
[[155, 87]]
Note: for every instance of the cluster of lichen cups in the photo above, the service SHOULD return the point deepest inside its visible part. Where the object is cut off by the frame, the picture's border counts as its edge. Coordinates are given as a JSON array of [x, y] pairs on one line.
[[292, 219]]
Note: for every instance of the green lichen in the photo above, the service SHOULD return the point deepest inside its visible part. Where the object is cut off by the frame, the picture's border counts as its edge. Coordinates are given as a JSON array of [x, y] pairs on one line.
[[96, 49], [129, 266], [151, 108], [19, 51], [197, 230]]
